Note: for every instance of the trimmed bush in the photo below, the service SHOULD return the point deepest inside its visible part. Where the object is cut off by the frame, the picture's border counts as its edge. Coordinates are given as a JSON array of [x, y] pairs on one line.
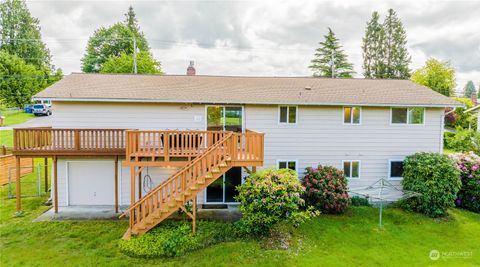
[[176, 238], [468, 165], [359, 201], [267, 197], [435, 177], [326, 189]]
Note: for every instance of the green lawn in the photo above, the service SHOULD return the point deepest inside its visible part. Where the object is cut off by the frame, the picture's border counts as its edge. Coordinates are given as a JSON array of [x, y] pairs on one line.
[[16, 117], [6, 138], [353, 239]]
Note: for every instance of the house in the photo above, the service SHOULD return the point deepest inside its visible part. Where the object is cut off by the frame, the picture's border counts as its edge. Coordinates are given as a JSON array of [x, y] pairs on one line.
[[184, 132]]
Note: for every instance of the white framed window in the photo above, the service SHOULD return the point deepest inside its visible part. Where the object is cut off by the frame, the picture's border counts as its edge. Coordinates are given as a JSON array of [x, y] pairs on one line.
[[287, 164], [351, 169], [407, 115], [395, 169], [287, 114], [352, 115]]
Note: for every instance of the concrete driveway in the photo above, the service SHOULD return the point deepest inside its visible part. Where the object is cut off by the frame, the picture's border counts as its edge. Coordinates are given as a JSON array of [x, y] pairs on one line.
[[41, 121]]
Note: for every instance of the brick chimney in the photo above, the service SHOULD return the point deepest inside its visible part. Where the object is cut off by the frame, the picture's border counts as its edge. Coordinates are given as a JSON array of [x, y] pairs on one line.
[[191, 69], [474, 98]]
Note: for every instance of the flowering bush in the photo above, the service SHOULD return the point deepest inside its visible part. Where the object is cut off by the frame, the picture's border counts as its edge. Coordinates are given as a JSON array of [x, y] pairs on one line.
[[268, 197], [326, 189], [469, 166], [435, 177]]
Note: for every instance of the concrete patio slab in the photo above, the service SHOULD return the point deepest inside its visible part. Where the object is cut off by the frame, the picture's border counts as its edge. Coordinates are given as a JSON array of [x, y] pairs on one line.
[[232, 213]]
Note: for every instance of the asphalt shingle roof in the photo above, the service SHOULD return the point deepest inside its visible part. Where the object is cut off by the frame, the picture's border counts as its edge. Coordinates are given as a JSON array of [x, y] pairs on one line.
[[242, 90]]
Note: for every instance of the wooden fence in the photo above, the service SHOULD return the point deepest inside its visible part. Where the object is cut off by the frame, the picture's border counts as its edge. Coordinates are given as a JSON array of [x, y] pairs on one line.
[[7, 162]]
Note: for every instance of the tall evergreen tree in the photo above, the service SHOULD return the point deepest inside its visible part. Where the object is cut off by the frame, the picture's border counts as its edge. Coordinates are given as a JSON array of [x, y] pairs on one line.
[[469, 89], [20, 34], [396, 54], [331, 57], [113, 41], [372, 47], [384, 48]]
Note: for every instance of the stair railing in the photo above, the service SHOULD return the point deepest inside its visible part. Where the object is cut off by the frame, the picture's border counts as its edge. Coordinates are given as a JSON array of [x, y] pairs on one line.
[[167, 192]]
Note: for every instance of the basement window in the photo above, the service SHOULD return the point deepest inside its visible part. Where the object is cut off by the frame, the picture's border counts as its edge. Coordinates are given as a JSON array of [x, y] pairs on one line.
[[351, 169], [287, 164]]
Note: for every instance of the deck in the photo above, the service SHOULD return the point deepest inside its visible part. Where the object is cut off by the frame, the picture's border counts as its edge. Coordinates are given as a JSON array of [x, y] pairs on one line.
[[139, 147]]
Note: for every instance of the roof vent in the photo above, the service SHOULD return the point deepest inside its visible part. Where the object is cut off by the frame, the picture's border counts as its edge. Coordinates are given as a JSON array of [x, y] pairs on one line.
[[308, 88]]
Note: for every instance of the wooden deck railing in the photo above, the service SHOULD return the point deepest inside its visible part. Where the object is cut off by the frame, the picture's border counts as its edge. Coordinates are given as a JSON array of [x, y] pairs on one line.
[[48, 141], [168, 144]]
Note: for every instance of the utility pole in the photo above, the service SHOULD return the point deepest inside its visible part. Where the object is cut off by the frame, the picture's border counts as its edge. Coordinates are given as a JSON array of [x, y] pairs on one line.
[[134, 55]]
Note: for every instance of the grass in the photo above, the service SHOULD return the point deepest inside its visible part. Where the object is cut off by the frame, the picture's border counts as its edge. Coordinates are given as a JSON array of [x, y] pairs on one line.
[[353, 239], [6, 138], [16, 117]]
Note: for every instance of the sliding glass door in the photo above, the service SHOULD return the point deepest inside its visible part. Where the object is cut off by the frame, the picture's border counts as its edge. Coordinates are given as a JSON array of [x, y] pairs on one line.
[[225, 118]]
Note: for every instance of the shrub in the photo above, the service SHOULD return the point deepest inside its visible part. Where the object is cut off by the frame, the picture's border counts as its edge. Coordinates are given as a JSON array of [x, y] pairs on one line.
[[268, 197], [464, 140], [435, 177], [176, 238], [468, 165], [359, 201], [326, 189]]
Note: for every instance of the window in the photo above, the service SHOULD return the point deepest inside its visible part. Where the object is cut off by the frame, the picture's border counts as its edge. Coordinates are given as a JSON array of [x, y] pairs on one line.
[[290, 164], [395, 169], [407, 115], [288, 114], [351, 115], [351, 168]]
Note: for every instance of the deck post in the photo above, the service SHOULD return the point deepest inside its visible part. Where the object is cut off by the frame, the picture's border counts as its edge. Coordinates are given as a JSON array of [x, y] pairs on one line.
[[132, 186], [254, 168], [46, 174], [55, 181], [139, 185], [18, 184], [194, 213], [116, 184]]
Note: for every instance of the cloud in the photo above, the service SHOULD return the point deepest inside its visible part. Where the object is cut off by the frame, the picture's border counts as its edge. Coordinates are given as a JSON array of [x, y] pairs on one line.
[[264, 37]]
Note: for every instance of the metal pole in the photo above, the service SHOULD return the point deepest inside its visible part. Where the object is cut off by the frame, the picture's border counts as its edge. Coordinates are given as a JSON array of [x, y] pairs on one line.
[[39, 178], [381, 201]]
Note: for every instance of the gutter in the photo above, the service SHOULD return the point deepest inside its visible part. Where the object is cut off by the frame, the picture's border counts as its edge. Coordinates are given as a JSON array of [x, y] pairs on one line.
[[123, 100]]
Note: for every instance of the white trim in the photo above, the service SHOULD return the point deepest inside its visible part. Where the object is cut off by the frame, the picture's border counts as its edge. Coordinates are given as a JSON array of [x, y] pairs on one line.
[[287, 161], [67, 182], [408, 117], [288, 115], [351, 116], [351, 168], [442, 131], [389, 169], [123, 100]]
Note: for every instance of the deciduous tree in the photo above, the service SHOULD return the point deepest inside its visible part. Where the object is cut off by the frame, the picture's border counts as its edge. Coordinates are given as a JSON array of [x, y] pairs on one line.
[[437, 75], [124, 64]]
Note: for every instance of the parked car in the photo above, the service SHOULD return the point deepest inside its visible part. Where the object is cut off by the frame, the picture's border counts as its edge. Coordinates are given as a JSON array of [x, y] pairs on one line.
[[42, 109], [28, 108]]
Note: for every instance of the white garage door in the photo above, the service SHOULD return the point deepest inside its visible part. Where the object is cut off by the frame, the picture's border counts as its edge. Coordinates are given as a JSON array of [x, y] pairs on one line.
[[91, 183]]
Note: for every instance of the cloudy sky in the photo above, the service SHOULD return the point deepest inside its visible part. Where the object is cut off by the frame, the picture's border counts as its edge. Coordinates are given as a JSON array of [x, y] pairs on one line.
[[263, 38]]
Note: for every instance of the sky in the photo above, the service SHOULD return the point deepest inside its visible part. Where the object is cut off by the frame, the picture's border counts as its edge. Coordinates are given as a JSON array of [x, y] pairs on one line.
[[264, 38]]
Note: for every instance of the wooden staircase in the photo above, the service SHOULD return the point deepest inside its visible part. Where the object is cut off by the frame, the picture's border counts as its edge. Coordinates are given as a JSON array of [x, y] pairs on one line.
[[183, 186]]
